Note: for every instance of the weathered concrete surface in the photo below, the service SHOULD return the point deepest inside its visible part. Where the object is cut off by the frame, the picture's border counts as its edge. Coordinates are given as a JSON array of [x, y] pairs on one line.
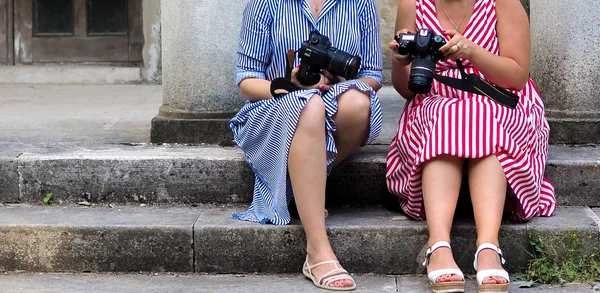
[[199, 53], [370, 240], [366, 240], [152, 69], [187, 174], [142, 174], [97, 129], [59, 74], [566, 74], [9, 177], [95, 114], [100, 283], [575, 173], [56, 238]]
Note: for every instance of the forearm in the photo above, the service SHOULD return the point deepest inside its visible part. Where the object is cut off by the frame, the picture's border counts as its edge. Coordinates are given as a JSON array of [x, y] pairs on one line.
[[400, 77], [255, 89], [376, 86], [502, 71]]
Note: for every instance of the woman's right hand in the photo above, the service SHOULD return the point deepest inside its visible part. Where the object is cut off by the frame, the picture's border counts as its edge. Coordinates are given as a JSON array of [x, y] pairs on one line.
[[403, 60], [324, 84]]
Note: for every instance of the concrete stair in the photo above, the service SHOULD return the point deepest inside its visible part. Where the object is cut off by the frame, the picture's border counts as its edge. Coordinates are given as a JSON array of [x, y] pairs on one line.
[[189, 192], [205, 239], [174, 174]]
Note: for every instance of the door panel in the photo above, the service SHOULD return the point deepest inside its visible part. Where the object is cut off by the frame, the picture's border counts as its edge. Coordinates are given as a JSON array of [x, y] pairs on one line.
[[49, 31], [98, 49], [23, 31], [6, 33]]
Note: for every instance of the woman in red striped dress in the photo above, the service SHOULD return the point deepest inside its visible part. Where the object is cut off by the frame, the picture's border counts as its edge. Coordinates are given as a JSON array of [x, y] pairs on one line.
[[447, 132]]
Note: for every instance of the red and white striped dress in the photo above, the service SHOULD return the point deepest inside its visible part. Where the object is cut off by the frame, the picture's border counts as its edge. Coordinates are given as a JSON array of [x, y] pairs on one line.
[[447, 121]]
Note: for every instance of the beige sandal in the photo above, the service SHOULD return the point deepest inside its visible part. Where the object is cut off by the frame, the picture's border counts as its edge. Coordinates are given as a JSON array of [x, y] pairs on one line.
[[481, 275], [330, 277]]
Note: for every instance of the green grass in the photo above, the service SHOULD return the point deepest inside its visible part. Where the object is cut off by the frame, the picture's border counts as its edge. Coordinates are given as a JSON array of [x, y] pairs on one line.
[[560, 259]]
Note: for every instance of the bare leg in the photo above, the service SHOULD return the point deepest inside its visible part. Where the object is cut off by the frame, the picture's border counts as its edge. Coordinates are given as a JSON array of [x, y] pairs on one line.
[[441, 179], [307, 168], [487, 184], [352, 121]]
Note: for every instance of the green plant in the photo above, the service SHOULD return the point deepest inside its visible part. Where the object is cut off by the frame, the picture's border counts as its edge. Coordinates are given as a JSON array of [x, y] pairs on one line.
[[48, 198], [560, 259]]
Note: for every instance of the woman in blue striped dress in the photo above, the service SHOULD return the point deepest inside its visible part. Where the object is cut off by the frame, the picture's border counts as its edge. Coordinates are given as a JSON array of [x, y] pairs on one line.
[[291, 142]]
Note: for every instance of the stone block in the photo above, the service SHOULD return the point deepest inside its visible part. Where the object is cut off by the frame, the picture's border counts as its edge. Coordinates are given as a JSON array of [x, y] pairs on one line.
[[174, 130], [566, 74], [199, 54], [138, 175], [71, 239], [366, 240], [572, 230], [575, 173], [9, 179]]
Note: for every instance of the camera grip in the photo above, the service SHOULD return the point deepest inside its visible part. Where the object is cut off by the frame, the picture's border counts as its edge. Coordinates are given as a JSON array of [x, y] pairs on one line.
[[306, 76]]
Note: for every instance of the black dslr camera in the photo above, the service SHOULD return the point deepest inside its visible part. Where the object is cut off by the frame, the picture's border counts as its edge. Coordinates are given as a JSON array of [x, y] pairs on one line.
[[317, 53], [424, 49]]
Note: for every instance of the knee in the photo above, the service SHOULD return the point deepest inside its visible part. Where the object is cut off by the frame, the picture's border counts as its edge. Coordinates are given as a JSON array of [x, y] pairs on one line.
[[354, 104], [312, 116]]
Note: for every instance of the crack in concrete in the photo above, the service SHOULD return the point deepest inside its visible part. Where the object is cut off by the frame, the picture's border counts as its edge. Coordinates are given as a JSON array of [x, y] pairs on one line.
[[194, 241], [19, 176], [594, 217]]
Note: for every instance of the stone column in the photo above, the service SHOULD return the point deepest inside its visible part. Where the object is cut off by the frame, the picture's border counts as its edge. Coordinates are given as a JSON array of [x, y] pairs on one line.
[[565, 64], [199, 43]]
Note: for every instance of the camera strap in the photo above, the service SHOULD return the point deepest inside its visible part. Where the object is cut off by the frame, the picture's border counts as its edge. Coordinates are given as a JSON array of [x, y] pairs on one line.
[[474, 84], [283, 85]]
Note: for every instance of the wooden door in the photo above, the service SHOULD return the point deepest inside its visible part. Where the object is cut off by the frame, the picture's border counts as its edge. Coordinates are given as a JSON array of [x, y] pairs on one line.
[[6, 32], [77, 31]]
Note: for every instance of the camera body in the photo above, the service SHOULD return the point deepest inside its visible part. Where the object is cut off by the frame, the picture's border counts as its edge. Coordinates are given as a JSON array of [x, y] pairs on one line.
[[424, 48], [317, 53]]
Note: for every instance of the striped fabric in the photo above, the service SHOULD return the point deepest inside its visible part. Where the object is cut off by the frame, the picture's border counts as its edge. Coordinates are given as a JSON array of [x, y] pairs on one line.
[[448, 121], [264, 129]]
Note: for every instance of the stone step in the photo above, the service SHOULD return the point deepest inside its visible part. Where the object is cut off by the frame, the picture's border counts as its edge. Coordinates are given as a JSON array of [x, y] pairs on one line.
[[203, 283], [180, 174], [205, 239]]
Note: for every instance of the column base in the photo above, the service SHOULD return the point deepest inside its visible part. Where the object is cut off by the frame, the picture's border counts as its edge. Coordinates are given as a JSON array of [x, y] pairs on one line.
[[177, 130], [574, 131]]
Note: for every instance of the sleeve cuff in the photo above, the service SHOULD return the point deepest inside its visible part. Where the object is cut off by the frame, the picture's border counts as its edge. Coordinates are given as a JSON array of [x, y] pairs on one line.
[[373, 74], [241, 75]]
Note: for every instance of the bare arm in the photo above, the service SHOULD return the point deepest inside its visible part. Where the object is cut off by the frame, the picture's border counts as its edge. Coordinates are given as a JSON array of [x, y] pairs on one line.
[[255, 89], [405, 20], [372, 63], [373, 83]]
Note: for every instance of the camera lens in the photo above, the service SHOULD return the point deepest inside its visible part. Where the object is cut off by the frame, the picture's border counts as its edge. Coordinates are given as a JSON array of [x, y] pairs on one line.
[[421, 75], [343, 64]]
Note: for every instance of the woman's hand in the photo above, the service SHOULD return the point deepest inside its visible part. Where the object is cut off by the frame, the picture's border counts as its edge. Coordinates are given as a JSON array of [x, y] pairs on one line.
[[400, 59], [333, 78], [458, 47], [324, 84]]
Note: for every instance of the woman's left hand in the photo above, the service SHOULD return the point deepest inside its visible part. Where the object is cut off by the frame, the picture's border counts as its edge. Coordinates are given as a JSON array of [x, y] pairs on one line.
[[458, 47], [334, 79]]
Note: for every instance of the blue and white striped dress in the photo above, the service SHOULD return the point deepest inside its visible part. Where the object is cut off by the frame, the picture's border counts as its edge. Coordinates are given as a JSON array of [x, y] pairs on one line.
[[264, 129]]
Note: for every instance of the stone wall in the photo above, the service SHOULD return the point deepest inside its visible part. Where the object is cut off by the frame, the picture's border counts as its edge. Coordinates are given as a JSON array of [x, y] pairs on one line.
[[152, 69]]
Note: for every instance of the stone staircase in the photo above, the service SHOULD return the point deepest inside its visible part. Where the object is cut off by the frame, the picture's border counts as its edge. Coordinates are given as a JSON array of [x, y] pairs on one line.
[[130, 207], [168, 208]]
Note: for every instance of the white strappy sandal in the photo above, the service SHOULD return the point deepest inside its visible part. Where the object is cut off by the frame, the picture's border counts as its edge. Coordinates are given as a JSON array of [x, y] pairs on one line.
[[481, 275], [443, 287], [336, 274]]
